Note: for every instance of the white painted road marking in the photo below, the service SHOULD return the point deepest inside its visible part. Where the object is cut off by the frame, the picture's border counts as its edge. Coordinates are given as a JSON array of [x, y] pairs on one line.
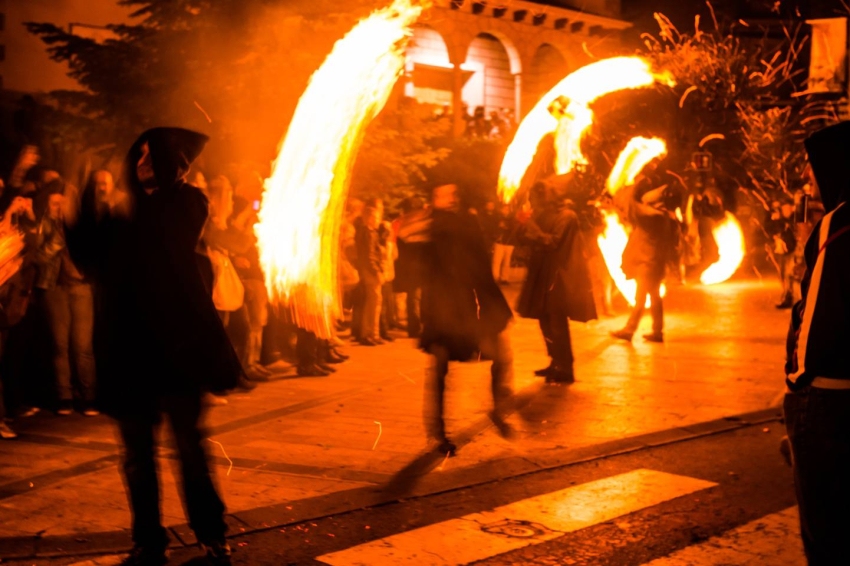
[[773, 540], [523, 523]]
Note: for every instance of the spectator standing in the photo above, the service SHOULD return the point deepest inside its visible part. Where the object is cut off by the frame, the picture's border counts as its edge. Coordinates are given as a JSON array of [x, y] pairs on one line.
[[410, 270], [370, 258], [69, 305], [503, 247]]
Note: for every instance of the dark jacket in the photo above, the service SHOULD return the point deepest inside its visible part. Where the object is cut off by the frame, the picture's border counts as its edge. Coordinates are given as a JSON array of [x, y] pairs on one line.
[[412, 240], [558, 281], [370, 255], [820, 322], [653, 241], [156, 328], [461, 302]]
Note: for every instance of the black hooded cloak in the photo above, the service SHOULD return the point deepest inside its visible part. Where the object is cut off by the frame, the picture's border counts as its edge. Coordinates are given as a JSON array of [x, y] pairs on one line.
[[156, 329]]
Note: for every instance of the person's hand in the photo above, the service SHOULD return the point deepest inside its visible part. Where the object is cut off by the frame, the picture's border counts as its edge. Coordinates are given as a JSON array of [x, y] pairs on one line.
[[21, 205], [241, 263]]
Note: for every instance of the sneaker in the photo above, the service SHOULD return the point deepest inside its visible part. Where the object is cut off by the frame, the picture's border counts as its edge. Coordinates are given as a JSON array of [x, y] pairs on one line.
[[504, 429], [29, 412], [545, 371], [7, 433], [245, 384], [90, 411], [654, 337], [622, 335], [145, 556], [213, 400], [218, 553], [65, 408], [561, 376]]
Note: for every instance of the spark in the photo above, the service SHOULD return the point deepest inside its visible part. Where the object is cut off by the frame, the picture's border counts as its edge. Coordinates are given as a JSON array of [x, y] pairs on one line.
[[220, 445], [443, 463], [685, 95], [408, 378], [380, 431], [204, 112], [710, 137]]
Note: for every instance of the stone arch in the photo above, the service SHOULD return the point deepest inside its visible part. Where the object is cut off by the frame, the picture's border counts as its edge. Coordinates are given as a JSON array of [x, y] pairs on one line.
[[492, 84], [546, 68]]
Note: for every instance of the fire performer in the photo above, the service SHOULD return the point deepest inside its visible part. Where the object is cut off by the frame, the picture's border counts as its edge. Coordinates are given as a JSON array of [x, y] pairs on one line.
[[159, 342], [652, 246], [558, 286], [464, 313], [818, 374]]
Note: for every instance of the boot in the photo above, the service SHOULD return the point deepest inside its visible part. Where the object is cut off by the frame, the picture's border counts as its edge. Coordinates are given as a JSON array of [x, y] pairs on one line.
[[623, 334]]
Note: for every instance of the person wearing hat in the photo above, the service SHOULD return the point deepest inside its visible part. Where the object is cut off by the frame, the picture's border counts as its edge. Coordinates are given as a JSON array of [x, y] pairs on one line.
[[651, 246], [558, 287]]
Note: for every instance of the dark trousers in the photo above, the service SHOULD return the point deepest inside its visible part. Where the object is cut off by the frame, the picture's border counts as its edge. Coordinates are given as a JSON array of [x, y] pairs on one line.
[[70, 312], [496, 347], [414, 322], [559, 346], [358, 301], [647, 287], [388, 313], [306, 347], [818, 423], [203, 505], [238, 327]]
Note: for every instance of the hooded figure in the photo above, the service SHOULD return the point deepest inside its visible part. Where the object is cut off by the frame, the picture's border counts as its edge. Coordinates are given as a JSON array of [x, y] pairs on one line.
[[817, 404], [159, 342], [558, 286]]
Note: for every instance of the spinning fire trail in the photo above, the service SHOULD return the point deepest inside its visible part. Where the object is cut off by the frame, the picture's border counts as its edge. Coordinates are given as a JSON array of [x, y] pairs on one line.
[[298, 232]]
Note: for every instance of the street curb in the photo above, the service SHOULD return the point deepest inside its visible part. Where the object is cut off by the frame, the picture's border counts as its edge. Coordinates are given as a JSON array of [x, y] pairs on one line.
[[416, 481]]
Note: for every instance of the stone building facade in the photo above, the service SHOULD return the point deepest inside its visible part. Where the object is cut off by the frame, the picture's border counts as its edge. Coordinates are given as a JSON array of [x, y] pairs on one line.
[[501, 56]]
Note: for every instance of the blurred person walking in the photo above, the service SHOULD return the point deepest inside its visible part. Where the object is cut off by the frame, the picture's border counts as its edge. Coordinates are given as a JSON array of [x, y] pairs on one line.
[[159, 342], [464, 314]]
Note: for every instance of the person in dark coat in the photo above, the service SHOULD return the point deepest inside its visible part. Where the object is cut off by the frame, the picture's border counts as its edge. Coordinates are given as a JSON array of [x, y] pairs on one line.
[[159, 343], [558, 286], [817, 368], [464, 314], [651, 246]]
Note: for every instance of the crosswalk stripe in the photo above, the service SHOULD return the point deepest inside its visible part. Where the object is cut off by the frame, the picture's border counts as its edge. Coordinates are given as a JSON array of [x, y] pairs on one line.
[[773, 540], [523, 523]]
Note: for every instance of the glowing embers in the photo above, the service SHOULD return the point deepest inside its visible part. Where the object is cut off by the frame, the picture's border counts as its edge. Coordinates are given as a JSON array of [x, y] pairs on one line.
[[298, 232], [730, 246], [572, 98]]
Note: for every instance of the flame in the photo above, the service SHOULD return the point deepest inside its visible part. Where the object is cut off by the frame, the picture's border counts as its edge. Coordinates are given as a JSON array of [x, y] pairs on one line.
[[612, 242], [298, 231], [631, 161], [581, 88], [730, 246]]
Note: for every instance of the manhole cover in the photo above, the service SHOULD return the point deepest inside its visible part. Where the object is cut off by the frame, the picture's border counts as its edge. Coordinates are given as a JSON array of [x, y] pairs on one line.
[[516, 529]]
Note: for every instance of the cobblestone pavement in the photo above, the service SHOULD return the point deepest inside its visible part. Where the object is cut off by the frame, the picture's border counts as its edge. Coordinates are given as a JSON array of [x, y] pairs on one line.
[[297, 446]]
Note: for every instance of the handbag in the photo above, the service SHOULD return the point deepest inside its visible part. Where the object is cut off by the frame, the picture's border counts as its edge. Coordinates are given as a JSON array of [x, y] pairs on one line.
[[228, 291]]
